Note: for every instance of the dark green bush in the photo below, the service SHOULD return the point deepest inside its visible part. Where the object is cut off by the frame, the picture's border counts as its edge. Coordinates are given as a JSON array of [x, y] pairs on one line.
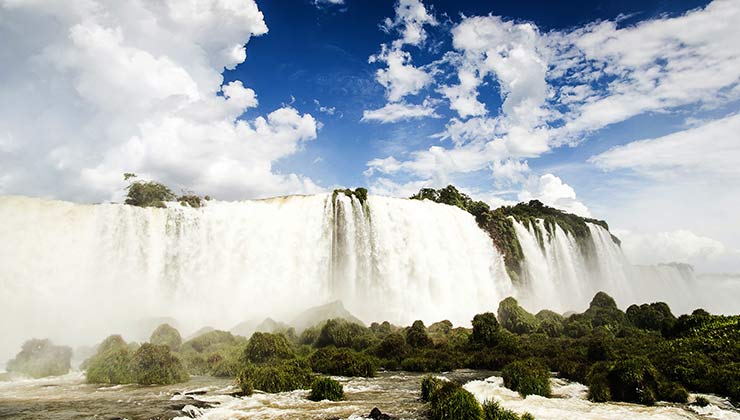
[[148, 194], [166, 335], [603, 311], [514, 318], [486, 330], [265, 347], [41, 358], [598, 382], [452, 402], [326, 389], [393, 346], [342, 362], [275, 377], [152, 364], [654, 316], [111, 364], [527, 377], [700, 402], [341, 333], [417, 336], [550, 323], [430, 385], [492, 410]]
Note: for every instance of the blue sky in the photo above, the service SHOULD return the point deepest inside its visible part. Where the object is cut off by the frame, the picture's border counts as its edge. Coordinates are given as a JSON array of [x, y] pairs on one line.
[[621, 110]]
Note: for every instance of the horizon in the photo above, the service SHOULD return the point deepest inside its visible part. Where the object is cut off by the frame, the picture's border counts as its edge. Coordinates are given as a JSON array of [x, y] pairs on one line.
[[509, 102]]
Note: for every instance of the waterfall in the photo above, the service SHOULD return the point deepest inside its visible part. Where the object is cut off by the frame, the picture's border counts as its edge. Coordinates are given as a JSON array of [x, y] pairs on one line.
[[560, 274], [73, 271]]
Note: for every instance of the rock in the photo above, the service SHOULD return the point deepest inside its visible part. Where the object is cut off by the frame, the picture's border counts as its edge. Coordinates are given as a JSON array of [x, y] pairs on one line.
[[376, 414]]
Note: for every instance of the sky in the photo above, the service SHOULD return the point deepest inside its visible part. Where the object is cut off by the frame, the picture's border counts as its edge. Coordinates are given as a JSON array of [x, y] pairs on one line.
[[627, 111]]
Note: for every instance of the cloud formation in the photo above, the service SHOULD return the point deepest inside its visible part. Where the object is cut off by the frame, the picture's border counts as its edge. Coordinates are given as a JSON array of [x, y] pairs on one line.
[[104, 87]]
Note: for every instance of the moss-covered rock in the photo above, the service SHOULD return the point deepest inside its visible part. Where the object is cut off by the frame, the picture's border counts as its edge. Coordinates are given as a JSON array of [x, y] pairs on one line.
[[154, 364], [654, 316], [166, 335], [515, 318], [452, 402], [326, 389], [205, 352], [40, 358], [527, 377]]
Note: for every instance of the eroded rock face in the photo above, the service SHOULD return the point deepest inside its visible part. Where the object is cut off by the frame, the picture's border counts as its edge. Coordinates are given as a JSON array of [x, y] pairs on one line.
[[376, 414]]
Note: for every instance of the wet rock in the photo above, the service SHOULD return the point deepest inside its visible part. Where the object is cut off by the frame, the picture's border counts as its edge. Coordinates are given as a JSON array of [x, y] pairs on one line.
[[376, 414]]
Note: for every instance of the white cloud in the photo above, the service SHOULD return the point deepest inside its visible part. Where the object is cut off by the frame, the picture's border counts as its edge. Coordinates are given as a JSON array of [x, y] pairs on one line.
[[399, 111], [709, 150], [103, 87], [673, 246], [400, 78], [552, 191], [409, 20]]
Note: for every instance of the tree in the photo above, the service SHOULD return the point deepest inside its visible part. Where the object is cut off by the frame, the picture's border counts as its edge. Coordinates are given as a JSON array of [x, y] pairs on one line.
[[485, 329], [417, 337]]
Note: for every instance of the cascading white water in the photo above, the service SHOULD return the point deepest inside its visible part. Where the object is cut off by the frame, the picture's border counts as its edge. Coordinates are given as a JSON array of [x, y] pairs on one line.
[[76, 273], [560, 274]]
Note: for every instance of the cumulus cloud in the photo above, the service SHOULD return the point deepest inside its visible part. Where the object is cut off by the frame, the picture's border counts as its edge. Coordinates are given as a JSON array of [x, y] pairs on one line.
[[552, 191], [104, 87], [400, 78], [409, 21], [393, 112]]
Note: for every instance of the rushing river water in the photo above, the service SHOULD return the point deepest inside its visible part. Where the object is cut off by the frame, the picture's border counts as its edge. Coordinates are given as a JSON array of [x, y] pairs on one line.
[[395, 393]]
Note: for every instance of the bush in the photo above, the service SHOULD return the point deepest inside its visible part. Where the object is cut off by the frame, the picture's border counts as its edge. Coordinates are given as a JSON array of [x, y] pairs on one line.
[[417, 337], [275, 377], [265, 347], [700, 402], [148, 194], [111, 364], [598, 382], [514, 318], [326, 389], [430, 385], [208, 352], [41, 358], [492, 410], [653, 316], [550, 323], [166, 335], [672, 392], [603, 311], [153, 364], [341, 333], [527, 377], [452, 402], [485, 329], [342, 362], [393, 346]]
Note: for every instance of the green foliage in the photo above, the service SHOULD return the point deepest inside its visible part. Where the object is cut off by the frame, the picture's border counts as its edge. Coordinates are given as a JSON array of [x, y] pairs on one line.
[[154, 364], [287, 375], [515, 318], [265, 347], [342, 362], [492, 410], [326, 389], [215, 352], [700, 402], [486, 330], [341, 333], [191, 200], [360, 193], [654, 316], [527, 377], [146, 193], [393, 346], [111, 363], [550, 323], [603, 311], [417, 336], [166, 335], [451, 402], [40, 358], [430, 385]]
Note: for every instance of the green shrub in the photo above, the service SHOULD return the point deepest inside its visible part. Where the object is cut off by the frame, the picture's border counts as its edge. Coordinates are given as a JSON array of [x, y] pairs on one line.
[[326, 389], [486, 329], [153, 364], [492, 410], [603, 311], [275, 377], [393, 346], [41, 358], [147, 194], [430, 385], [111, 364], [265, 347], [417, 336], [654, 316], [672, 392], [550, 323], [341, 333], [342, 362], [514, 318], [166, 335], [452, 402], [598, 382], [527, 377]]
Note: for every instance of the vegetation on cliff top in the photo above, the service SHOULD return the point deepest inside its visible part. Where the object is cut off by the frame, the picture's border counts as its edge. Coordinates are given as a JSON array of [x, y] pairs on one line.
[[498, 224], [155, 194]]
